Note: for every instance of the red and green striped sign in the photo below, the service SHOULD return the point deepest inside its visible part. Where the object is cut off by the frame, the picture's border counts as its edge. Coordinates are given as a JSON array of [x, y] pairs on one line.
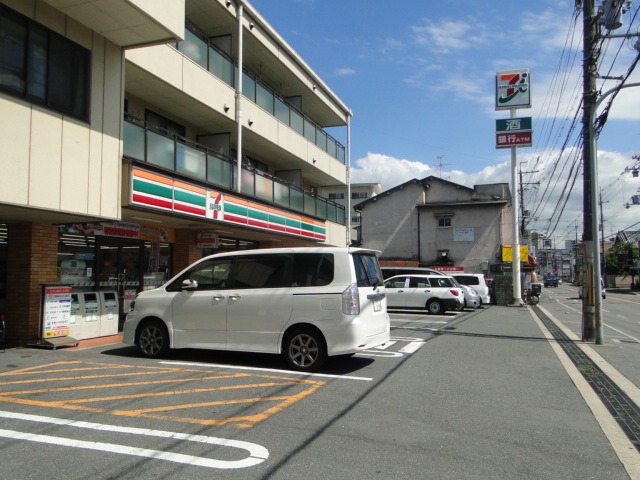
[[165, 193]]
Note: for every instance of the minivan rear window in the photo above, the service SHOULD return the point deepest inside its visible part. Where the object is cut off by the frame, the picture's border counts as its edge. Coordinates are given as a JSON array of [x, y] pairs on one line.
[[467, 280], [262, 271], [312, 269], [367, 270]]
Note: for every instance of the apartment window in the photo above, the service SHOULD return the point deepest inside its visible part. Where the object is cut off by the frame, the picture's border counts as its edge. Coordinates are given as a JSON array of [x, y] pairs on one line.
[[43, 67], [168, 125], [355, 220], [336, 196], [444, 222], [358, 195]]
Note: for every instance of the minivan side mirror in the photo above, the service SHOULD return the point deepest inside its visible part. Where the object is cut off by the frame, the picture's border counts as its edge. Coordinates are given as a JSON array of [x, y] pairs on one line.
[[188, 284]]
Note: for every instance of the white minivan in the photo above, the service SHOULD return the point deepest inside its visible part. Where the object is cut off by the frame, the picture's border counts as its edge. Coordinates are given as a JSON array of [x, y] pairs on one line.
[[303, 303]]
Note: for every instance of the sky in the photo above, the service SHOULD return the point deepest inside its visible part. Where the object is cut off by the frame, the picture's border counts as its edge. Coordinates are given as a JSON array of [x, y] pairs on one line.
[[419, 77]]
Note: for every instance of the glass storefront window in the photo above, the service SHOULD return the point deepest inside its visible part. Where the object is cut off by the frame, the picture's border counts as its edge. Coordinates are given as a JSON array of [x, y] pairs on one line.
[[76, 261], [156, 264]]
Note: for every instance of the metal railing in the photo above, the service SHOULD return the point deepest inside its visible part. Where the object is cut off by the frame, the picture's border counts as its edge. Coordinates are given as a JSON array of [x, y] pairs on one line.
[[208, 56], [153, 145]]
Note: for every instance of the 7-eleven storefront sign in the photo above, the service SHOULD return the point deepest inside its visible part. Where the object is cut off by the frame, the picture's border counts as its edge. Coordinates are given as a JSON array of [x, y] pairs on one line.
[[165, 193]]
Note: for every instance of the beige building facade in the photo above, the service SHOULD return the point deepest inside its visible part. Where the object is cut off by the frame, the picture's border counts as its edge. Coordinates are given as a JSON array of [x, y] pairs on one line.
[[121, 126]]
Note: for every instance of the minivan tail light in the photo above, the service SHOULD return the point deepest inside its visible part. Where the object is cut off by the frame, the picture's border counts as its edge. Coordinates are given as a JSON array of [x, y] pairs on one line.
[[351, 300], [455, 292]]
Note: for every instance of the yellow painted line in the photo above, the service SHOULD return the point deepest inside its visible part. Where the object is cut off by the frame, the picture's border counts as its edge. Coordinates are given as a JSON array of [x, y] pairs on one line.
[[265, 381], [251, 419], [113, 385]]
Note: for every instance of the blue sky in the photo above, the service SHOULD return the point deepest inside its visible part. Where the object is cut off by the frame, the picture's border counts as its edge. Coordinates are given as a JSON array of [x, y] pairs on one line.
[[419, 77]]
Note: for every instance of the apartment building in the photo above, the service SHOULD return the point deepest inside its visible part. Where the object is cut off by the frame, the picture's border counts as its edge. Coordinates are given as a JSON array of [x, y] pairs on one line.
[[349, 199], [122, 123]]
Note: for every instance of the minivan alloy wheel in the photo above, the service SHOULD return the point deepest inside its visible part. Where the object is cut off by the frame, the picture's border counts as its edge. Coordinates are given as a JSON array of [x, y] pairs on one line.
[[153, 339], [305, 350]]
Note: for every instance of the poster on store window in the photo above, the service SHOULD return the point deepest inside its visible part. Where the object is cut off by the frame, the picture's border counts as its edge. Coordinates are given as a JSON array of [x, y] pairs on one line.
[[56, 311]]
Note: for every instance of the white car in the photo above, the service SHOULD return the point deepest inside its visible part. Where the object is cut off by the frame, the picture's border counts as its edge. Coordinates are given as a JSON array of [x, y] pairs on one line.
[[471, 297], [436, 293], [304, 303], [477, 282], [602, 288]]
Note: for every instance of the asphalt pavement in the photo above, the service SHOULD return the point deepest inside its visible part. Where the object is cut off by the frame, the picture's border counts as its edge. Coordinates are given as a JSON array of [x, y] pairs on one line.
[[497, 393]]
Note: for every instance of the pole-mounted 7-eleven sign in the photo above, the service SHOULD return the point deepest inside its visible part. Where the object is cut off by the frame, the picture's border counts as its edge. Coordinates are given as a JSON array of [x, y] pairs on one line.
[[513, 89]]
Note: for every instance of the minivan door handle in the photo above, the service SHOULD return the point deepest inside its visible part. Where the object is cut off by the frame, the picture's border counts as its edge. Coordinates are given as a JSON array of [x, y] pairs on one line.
[[218, 297], [234, 296]]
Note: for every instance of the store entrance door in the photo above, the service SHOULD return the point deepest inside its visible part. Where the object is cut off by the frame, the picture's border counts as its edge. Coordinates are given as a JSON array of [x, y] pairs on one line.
[[119, 269]]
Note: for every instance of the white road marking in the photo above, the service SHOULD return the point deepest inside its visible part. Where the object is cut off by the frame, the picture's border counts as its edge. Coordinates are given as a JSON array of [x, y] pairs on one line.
[[271, 370], [257, 453], [412, 347], [419, 321], [620, 331], [384, 346], [372, 353]]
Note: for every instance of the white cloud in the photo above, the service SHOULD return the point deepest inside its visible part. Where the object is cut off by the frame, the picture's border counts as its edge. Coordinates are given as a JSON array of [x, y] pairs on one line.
[[345, 72], [449, 35], [617, 188]]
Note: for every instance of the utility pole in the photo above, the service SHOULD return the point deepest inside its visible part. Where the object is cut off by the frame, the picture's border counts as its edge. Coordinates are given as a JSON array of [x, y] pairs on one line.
[[602, 257], [589, 96], [523, 216]]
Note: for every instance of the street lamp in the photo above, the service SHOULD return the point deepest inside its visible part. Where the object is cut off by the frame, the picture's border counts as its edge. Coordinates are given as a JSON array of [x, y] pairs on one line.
[[594, 286]]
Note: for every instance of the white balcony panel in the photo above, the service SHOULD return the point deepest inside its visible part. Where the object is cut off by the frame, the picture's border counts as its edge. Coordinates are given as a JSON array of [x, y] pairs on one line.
[[128, 23]]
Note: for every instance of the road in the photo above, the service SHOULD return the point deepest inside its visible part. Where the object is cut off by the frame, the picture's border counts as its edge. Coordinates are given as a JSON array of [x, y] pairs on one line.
[[470, 395]]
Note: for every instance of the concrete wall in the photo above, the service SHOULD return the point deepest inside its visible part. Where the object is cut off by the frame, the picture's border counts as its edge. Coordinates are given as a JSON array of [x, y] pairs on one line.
[[390, 223]]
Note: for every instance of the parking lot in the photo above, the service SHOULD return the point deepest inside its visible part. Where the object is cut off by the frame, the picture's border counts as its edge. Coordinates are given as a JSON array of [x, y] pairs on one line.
[[111, 401], [434, 395]]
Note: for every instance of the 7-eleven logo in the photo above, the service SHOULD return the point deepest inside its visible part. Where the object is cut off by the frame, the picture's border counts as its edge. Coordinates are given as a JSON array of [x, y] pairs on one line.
[[513, 88]]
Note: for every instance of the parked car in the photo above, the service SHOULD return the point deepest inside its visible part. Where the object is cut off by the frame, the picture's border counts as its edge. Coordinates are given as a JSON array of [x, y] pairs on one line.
[[436, 293], [303, 303], [477, 282], [602, 287], [471, 297], [551, 281], [388, 272]]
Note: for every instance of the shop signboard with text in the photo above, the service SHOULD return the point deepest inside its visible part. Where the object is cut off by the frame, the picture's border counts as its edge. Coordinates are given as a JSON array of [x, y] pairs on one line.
[[56, 311]]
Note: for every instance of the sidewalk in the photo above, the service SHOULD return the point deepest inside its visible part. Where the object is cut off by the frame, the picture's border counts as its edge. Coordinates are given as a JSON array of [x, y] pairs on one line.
[[503, 382]]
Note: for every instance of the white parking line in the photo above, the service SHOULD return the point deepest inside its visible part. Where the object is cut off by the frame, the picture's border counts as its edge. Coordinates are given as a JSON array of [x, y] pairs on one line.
[[271, 370], [418, 321], [257, 453], [412, 347]]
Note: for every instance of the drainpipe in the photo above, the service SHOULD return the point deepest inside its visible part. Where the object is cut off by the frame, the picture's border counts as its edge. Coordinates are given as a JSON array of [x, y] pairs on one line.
[[418, 215], [348, 212], [240, 16]]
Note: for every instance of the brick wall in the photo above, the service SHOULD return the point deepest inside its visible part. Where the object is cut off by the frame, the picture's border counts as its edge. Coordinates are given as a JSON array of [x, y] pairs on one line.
[[31, 262], [185, 250]]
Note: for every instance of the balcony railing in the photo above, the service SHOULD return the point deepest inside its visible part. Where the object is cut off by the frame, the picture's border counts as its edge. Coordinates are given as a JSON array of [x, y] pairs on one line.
[[222, 66], [155, 146]]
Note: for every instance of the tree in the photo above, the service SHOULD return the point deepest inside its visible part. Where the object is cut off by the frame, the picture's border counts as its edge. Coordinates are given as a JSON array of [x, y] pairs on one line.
[[618, 260]]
